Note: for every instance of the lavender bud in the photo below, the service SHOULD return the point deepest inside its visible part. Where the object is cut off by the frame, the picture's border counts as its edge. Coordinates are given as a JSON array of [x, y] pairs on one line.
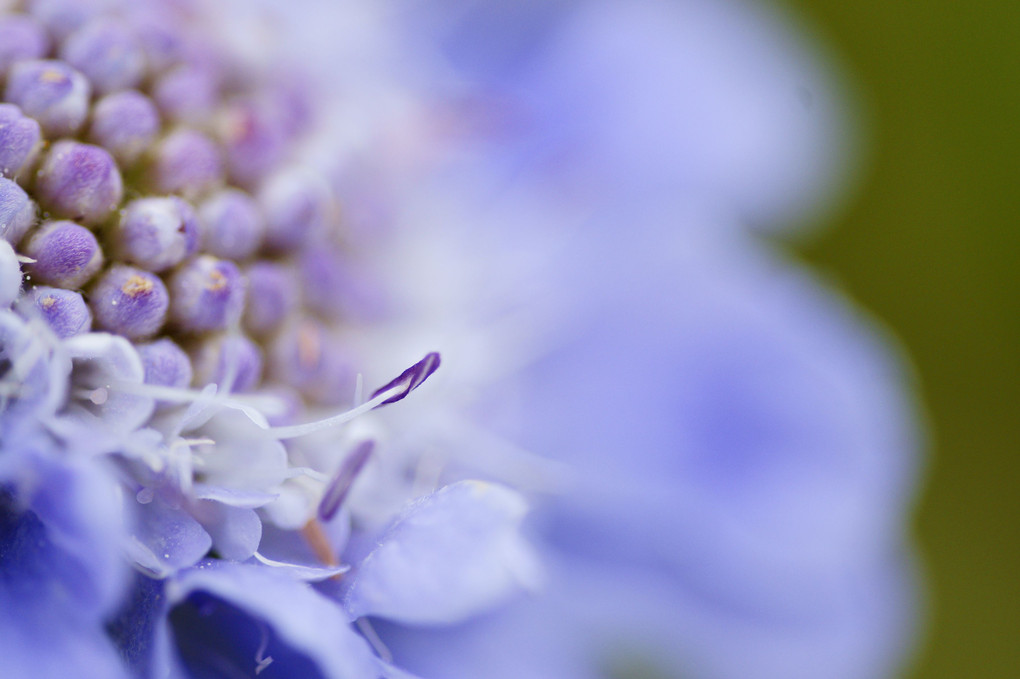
[[165, 363], [62, 17], [254, 143], [160, 36], [296, 203], [21, 37], [51, 92], [10, 275], [66, 255], [64, 311], [20, 139], [272, 295], [156, 233], [336, 287], [129, 302], [80, 182], [186, 162], [206, 294], [315, 362], [232, 361], [108, 53], [125, 123], [231, 225], [17, 211], [188, 93]]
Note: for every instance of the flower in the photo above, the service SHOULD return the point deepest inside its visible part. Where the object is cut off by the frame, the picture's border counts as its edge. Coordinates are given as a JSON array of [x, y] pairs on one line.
[[221, 252]]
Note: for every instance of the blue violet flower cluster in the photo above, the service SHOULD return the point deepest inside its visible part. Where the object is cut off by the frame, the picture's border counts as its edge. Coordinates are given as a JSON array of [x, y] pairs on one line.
[[457, 349]]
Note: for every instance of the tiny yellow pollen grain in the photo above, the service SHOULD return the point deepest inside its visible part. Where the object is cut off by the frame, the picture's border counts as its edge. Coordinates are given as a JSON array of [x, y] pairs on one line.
[[52, 75], [48, 301], [217, 281], [136, 285]]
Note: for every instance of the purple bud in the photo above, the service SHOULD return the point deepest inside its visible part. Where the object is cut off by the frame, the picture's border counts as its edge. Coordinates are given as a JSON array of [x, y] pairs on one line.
[[10, 275], [160, 35], [272, 295], [80, 182], [156, 233], [315, 362], [108, 53], [296, 204], [129, 302], [165, 363], [62, 17], [336, 286], [186, 162], [51, 92], [66, 255], [206, 294], [20, 139], [125, 123], [340, 486], [254, 142], [65, 311], [231, 225], [21, 37], [232, 361], [188, 93], [410, 379], [17, 212]]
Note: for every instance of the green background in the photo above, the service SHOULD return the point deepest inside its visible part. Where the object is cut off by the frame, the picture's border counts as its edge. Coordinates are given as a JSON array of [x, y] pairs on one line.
[[930, 243]]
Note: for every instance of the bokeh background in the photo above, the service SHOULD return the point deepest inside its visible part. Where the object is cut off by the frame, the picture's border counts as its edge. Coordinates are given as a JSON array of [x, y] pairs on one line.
[[930, 242]]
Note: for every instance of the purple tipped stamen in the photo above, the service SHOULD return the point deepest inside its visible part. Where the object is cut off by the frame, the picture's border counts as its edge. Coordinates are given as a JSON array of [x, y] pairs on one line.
[[409, 380], [340, 485]]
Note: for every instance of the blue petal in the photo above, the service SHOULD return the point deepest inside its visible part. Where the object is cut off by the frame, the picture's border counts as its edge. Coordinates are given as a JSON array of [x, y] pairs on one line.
[[451, 555], [221, 615]]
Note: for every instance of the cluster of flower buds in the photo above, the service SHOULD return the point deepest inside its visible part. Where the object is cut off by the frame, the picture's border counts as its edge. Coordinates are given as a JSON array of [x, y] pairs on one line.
[[150, 180]]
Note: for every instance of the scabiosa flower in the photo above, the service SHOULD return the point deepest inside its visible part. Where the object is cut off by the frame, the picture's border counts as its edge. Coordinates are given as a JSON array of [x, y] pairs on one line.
[[197, 473]]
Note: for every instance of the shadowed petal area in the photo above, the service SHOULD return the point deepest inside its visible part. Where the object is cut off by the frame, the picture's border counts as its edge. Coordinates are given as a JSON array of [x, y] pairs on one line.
[[229, 620]]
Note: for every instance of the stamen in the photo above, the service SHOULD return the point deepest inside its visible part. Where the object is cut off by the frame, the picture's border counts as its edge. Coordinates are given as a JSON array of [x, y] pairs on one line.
[[338, 488], [410, 379], [393, 391], [317, 540]]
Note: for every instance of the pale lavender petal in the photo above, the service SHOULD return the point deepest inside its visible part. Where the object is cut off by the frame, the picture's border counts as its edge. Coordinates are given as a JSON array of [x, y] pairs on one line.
[[451, 555]]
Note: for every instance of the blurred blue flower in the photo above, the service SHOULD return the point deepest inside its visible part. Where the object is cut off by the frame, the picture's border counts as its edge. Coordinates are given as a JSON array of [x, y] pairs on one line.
[[559, 198]]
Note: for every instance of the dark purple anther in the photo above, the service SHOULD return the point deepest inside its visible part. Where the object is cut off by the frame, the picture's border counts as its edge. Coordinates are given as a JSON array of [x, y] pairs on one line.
[[63, 310], [156, 233], [410, 379], [51, 92], [80, 182], [296, 204], [108, 53], [272, 295], [206, 294], [17, 211], [20, 139], [124, 123], [231, 361], [21, 37], [130, 302], [340, 485], [188, 93], [231, 225], [66, 255], [166, 364], [255, 143], [315, 362], [186, 162]]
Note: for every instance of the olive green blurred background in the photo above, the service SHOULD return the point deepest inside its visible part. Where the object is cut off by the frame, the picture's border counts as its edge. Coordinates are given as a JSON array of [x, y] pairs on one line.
[[930, 242]]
